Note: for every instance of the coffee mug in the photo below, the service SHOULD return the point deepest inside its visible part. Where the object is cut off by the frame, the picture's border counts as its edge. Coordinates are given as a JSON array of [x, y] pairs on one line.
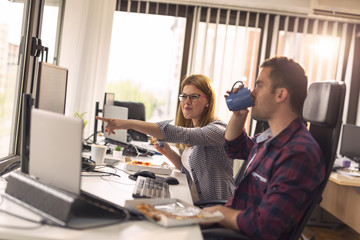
[[240, 100], [98, 153]]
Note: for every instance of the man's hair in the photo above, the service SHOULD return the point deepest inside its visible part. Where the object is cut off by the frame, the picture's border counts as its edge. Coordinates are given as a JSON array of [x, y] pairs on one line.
[[203, 83], [287, 73]]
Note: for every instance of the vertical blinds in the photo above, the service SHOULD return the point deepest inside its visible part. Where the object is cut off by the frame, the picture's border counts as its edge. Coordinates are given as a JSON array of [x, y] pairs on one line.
[[279, 34], [270, 25]]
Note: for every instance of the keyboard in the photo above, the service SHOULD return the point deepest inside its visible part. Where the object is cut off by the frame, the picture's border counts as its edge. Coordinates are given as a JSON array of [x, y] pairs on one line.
[[146, 187]]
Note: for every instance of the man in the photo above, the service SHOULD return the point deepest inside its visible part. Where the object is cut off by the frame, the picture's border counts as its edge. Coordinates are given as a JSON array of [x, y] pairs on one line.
[[284, 165]]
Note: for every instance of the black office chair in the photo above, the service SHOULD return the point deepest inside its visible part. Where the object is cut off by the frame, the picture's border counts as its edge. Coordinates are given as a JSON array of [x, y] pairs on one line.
[[323, 109]]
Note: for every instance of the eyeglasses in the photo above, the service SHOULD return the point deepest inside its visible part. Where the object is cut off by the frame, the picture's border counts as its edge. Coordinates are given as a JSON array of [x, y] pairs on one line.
[[193, 97]]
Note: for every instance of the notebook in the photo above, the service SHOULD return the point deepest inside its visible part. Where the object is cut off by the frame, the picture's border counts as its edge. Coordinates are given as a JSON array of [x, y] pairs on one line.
[[55, 163], [117, 112]]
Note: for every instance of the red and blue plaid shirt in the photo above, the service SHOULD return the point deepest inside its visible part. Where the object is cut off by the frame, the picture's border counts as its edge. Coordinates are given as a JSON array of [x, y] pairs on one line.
[[279, 183]]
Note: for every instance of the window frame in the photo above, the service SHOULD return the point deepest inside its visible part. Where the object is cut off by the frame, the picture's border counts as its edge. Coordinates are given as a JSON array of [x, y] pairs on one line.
[[27, 71]]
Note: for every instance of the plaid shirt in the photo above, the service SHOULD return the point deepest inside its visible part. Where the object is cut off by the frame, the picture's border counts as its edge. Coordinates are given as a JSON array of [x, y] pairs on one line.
[[279, 182]]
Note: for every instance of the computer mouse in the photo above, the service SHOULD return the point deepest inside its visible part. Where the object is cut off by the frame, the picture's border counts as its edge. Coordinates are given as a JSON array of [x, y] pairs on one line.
[[171, 180], [143, 173]]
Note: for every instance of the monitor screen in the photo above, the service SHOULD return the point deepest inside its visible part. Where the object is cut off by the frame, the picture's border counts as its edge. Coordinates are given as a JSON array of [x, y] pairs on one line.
[[136, 111], [109, 99], [111, 111], [51, 88], [350, 142]]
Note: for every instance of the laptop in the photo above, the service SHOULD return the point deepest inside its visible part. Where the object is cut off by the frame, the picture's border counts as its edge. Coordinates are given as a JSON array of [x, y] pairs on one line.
[[55, 149], [55, 164], [111, 111]]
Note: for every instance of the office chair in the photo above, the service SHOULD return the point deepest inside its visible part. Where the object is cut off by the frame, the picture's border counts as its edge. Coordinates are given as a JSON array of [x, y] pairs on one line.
[[323, 109]]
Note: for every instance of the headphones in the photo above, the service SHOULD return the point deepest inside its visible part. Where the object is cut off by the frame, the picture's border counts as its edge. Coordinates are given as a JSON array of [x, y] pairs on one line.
[[88, 165]]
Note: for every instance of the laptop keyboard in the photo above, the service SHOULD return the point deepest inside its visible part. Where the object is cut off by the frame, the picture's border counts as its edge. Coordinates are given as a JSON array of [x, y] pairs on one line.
[[146, 187]]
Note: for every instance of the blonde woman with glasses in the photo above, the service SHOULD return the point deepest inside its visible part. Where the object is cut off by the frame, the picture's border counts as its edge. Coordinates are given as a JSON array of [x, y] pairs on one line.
[[198, 136]]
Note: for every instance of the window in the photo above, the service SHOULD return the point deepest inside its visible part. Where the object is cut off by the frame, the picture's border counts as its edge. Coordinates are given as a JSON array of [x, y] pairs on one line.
[[51, 28], [11, 16], [14, 22], [145, 61], [228, 45], [227, 54]]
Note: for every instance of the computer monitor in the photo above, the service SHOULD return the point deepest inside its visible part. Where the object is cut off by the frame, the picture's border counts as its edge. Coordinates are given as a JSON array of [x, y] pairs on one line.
[[111, 111], [51, 88], [109, 99], [136, 111], [350, 140]]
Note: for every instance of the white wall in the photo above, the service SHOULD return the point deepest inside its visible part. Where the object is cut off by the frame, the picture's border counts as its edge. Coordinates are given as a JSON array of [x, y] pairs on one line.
[[85, 49]]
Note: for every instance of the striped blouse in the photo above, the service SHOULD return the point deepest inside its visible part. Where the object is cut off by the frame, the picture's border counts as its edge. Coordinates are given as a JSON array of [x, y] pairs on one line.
[[211, 168]]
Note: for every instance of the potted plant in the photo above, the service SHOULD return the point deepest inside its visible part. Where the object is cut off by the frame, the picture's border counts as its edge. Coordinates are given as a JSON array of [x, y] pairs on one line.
[[80, 116], [117, 152]]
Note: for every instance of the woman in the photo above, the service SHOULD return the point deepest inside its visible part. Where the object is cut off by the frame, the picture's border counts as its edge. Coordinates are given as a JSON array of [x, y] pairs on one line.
[[199, 137]]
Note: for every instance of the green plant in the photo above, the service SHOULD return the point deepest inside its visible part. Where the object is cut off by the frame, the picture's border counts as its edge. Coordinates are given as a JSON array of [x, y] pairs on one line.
[[117, 148], [80, 116]]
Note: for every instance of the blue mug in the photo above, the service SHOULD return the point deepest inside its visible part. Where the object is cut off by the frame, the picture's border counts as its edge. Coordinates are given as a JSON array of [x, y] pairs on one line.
[[240, 100]]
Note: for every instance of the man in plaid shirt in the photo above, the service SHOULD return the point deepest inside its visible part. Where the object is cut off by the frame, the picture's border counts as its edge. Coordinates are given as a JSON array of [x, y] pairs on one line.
[[284, 165]]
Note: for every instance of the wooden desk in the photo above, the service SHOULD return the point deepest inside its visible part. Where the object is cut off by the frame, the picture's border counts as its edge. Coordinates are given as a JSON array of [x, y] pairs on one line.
[[341, 198], [111, 188]]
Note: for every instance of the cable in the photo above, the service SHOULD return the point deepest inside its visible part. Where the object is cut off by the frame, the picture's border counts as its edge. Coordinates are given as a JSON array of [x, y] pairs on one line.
[[108, 173], [86, 140], [116, 168]]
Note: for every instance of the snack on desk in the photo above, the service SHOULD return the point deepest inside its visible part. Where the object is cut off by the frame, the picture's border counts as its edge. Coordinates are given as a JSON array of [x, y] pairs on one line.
[[151, 212], [137, 165], [171, 212], [140, 163]]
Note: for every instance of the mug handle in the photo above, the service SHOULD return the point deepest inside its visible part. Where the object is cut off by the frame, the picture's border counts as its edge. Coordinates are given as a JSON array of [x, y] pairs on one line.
[[235, 84]]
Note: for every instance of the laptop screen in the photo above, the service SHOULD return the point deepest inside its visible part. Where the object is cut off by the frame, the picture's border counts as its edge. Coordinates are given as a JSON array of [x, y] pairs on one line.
[[55, 149]]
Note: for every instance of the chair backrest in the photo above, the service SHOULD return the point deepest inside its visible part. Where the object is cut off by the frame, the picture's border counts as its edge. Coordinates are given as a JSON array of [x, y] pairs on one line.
[[323, 109]]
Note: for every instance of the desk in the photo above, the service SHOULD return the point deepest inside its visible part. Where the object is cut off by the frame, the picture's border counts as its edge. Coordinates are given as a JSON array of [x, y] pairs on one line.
[[112, 188], [341, 198]]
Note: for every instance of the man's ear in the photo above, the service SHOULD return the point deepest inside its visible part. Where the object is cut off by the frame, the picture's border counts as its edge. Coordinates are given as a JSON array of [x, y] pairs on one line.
[[281, 94]]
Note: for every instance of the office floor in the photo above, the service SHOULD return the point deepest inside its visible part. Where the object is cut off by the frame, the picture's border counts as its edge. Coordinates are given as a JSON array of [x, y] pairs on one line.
[[340, 233]]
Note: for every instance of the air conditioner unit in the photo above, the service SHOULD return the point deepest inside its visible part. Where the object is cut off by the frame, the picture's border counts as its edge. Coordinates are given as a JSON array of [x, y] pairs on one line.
[[335, 8]]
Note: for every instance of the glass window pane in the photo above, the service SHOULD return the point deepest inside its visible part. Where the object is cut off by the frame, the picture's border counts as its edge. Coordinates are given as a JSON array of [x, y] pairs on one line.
[[145, 61], [319, 54], [226, 54], [49, 28], [11, 17]]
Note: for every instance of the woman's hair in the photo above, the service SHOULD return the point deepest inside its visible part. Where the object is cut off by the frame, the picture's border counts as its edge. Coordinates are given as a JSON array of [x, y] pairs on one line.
[[203, 83]]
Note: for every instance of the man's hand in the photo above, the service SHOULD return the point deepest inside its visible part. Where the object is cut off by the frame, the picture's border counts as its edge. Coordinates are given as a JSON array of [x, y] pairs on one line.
[[230, 215], [236, 124]]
